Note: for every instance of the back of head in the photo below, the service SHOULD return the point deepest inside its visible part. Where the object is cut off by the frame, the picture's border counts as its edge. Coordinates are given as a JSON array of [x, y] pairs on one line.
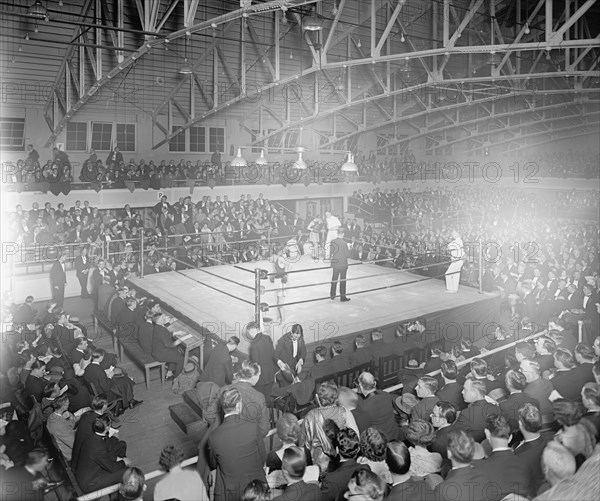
[[585, 353], [515, 380], [591, 392], [99, 401], [461, 446], [449, 369], [360, 341], [132, 484], [564, 357], [479, 367], [327, 393], [348, 443], [170, 457], [369, 484], [99, 426], [448, 411], [497, 426], [367, 381], [256, 490], [293, 462], [230, 398], [376, 335], [525, 350], [288, 429], [397, 457], [249, 369], [557, 462], [420, 432], [530, 418], [567, 413], [337, 348], [373, 444]]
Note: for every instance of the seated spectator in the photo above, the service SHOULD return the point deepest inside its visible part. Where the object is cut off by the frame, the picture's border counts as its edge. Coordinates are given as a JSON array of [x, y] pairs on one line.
[[294, 467], [378, 405], [350, 400], [421, 434], [290, 433], [507, 471], [326, 397], [473, 418], [557, 464], [443, 418], [96, 465], [563, 380], [334, 483], [185, 485], [533, 443], [36, 382], [133, 485], [576, 435], [538, 387], [403, 486], [545, 348], [451, 391], [61, 425], [590, 396], [26, 482], [464, 481], [164, 348], [434, 362], [426, 389], [479, 372], [365, 485], [256, 491], [372, 447], [515, 384]]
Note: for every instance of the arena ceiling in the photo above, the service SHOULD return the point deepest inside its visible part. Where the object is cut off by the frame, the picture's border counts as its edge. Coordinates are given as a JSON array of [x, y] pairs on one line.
[[479, 73]]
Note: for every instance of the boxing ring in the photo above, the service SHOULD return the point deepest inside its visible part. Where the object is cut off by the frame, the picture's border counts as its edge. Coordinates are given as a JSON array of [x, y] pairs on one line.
[[221, 300]]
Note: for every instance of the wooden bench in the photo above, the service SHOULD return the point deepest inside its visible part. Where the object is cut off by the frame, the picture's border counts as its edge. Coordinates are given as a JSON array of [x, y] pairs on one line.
[[389, 366], [101, 320], [64, 465], [142, 359], [347, 377]]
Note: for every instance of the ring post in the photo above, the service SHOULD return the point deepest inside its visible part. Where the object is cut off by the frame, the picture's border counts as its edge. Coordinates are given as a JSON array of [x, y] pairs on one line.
[[142, 252], [257, 296], [480, 266]]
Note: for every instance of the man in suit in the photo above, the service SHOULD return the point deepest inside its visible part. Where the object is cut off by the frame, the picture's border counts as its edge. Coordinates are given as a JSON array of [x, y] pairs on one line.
[[114, 387], [293, 466], [378, 405], [82, 266], [537, 386], [164, 348], [58, 280], [335, 482], [262, 352], [26, 482], [362, 354], [254, 407], [435, 361], [464, 482], [219, 368], [234, 450], [426, 388], [533, 444], [505, 469], [451, 391], [96, 466], [404, 487], [340, 254], [443, 417], [515, 384], [545, 348], [290, 354], [563, 381], [473, 418], [35, 382]]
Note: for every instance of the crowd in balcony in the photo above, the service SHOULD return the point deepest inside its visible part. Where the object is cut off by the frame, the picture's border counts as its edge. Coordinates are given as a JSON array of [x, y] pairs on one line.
[[57, 174]]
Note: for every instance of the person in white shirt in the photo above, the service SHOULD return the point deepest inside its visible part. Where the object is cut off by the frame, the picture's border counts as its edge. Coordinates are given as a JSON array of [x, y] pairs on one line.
[[185, 485], [333, 225], [457, 254]]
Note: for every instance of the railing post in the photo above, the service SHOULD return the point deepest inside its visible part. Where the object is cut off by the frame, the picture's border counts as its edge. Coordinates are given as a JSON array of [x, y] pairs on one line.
[[480, 266], [257, 297], [142, 252]]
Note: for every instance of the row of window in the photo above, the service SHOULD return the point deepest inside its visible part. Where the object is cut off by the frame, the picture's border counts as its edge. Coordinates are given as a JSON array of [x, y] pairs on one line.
[[194, 140]]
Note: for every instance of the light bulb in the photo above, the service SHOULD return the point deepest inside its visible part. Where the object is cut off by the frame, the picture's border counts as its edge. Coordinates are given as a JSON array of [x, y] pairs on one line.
[[36, 28], [291, 55], [359, 44], [402, 39], [527, 30], [20, 48], [27, 36]]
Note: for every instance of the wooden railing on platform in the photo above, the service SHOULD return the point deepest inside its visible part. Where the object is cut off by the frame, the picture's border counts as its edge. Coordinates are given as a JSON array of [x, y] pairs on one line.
[[193, 460]]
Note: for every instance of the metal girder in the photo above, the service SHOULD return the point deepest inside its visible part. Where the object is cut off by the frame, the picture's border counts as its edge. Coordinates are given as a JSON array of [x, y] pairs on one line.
[[388, 29], [556, 36], [568, 136], [512, 127]]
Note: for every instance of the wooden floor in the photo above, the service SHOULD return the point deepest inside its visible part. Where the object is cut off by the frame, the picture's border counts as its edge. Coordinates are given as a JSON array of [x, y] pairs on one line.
[[188, 292]]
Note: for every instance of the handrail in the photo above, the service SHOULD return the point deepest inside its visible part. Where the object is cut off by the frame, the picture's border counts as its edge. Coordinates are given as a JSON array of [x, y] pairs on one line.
[[193, 460]]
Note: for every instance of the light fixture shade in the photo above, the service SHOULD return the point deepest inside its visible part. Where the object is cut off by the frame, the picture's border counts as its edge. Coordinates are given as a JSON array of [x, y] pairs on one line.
[[349, 165], [494, 59], [262, 160], [37, 10], [239, 160], [312, 22], [300, 164], [186, 69]]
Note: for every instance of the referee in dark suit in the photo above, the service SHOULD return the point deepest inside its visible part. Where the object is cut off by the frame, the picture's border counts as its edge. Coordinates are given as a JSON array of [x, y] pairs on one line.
[[339, 262]]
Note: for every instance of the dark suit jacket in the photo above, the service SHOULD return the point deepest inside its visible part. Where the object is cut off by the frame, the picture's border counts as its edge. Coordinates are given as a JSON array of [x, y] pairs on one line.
[[433, 364], [127, 326], [35, 386], [464, 484], [300, 491], [80, 267], [472, 419], [510, 408], [82, 431], [261, 351], [340, 253], [234, 452], [335, 483], [452, 392], [57, 275], [218, 369], [361, 356], [546, 362], [254, 407], [115, 307], [423, 409], [568, 384], [508, 471], [412, 489], [95, 374], [379, 406], [285, 350], [440, 443], [17, 485], [95, 467], [145, 335], [531, 453]]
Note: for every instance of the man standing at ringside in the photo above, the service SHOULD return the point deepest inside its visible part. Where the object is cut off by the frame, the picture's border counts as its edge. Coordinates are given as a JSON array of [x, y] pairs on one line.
[[339, 262]]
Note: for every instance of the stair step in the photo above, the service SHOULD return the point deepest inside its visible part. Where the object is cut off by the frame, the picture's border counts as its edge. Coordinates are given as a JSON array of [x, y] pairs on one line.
[[187, 419], [190, 397]]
